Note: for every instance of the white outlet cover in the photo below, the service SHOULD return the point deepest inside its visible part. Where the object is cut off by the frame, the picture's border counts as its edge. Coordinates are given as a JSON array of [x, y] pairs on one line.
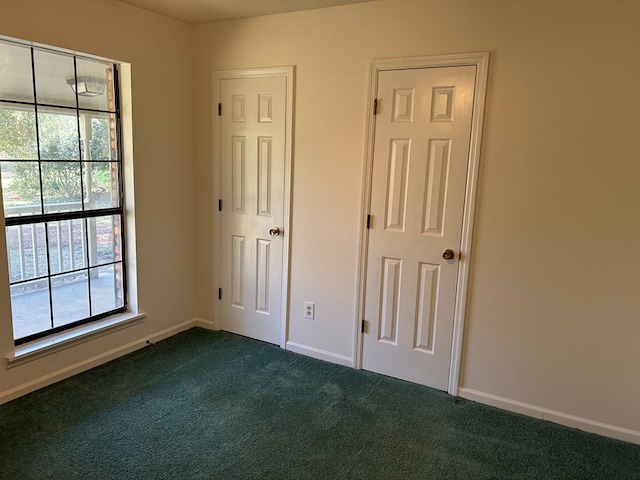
[[309, 310]]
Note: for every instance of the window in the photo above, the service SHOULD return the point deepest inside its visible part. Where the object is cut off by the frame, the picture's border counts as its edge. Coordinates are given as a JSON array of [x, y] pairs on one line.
[[60, 165]]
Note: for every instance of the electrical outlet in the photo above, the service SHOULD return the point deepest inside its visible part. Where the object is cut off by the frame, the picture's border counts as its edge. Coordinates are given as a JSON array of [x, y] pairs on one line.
[[309, 310]]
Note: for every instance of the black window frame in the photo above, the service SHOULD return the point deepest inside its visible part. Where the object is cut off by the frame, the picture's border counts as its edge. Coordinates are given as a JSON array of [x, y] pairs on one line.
[[83, 214]]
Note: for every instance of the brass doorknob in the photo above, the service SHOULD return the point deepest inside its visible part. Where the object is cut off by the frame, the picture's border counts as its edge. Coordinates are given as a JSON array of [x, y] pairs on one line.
[[448, 254], [275, 232]]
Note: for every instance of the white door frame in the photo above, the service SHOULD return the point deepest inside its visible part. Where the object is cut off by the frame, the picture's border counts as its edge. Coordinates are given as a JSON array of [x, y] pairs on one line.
[[481, 62], [289, 73]]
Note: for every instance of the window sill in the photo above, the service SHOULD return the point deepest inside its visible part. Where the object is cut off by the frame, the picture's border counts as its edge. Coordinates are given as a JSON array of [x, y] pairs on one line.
[[61, 341]]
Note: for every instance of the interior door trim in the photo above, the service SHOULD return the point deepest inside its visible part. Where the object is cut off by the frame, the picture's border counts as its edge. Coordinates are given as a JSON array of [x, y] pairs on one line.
[[289, 73], [481, 62]]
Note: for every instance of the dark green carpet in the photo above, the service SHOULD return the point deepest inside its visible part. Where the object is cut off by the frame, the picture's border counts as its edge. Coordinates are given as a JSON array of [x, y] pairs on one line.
[[209, 405]]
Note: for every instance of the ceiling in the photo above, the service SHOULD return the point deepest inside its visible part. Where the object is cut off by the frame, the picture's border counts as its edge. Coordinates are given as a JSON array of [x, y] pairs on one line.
[[205, 11]]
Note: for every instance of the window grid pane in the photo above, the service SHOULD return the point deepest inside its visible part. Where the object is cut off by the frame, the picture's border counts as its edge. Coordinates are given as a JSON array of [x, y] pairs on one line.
[[21, 188], [16, 83], [26, 252], [31, 308], [18, 122], [67, 245], [59, 159], [59, 134], [53, 71]]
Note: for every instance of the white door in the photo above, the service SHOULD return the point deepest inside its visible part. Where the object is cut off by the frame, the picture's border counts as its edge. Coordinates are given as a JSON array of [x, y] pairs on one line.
[[420, 158], [252, 139]]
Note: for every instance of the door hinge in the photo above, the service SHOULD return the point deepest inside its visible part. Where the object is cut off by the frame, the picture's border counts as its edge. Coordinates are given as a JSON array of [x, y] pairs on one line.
[[220, 205], [368, 222], [375, 106], [219, 109], [219, 294], [363, 326]]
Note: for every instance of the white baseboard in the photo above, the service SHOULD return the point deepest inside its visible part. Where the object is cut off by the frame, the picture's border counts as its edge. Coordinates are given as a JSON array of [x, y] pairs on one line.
[[92, 362], [566, 419], [319, 354], [202, 323]]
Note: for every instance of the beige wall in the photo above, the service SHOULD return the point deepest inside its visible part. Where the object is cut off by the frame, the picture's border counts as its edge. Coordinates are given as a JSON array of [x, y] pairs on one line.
[[161, 54], [553, 307]]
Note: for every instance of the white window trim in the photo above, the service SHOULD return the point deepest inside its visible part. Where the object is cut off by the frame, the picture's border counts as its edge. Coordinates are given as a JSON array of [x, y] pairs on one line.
[[61, 341]]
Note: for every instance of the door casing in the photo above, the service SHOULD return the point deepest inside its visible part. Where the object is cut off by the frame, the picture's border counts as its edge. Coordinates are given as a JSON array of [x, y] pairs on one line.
[[481, 62], [289, 73]]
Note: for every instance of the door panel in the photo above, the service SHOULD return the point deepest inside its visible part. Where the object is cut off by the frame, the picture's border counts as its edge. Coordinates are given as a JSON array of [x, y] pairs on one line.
[[252, 136], [420, 158]]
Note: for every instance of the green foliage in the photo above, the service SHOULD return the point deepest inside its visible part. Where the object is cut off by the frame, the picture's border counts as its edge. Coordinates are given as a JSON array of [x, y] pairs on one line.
[[18, 135], [60, 174], [26, 180], [58, 137], [99, 144]]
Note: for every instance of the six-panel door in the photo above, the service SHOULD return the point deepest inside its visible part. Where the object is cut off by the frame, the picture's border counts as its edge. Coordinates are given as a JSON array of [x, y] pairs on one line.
[[421, 152], [252, 136]]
